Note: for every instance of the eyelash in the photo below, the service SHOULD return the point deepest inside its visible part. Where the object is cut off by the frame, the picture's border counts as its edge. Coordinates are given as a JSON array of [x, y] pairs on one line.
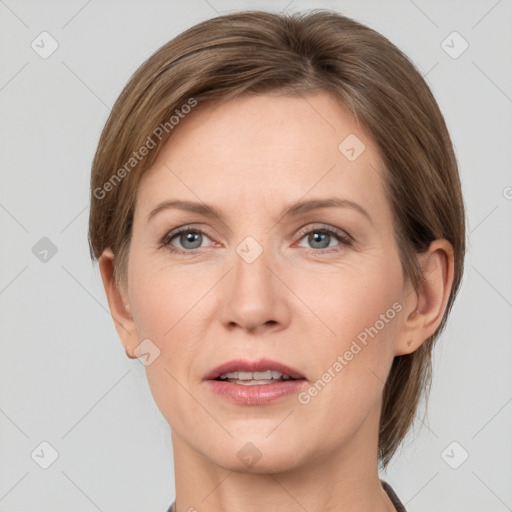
[[344, 238]]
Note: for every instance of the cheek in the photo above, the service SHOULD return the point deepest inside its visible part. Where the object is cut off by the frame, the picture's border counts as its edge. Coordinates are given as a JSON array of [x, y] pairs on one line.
[[166, 307], [349, 300], [353, 346], [164, 298]]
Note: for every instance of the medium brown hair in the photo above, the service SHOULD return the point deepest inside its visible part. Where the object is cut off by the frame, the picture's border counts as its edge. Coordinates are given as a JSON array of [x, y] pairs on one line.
[[257, 52]]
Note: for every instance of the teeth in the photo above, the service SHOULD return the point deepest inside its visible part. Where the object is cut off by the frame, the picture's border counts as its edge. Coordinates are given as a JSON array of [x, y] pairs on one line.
[[266, 375], [251, 382], [262, 375]]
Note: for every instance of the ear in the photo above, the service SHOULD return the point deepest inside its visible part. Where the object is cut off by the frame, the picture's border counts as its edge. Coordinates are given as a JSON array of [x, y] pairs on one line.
[[118, 304], [424, 307]]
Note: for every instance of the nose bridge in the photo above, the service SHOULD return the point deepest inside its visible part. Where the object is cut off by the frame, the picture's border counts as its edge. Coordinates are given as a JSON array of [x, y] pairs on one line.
[[254, 297], [251, 267]]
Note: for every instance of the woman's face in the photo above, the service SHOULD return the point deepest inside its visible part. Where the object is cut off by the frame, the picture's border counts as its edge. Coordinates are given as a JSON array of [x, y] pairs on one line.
[[318, 289]]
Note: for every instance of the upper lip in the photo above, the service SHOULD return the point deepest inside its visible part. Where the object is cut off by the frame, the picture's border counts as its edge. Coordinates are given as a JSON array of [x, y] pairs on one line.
[[245, 365]]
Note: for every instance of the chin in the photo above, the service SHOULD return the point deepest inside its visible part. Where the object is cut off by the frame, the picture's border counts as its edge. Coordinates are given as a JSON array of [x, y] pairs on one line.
[[258, 456]]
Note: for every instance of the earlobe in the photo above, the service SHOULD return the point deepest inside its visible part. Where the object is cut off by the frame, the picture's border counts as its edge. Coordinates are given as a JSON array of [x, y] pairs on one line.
[[425, 306], [118, 303]]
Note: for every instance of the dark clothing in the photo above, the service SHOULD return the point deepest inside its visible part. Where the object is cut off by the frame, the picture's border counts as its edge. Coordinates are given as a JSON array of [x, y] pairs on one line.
[[392, 496]]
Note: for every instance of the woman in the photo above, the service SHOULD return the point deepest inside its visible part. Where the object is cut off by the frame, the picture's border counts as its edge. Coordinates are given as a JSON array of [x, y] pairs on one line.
[[277, 214]]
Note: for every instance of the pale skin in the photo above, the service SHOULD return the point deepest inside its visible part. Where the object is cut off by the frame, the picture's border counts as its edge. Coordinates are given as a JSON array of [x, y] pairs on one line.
[[250, 158]]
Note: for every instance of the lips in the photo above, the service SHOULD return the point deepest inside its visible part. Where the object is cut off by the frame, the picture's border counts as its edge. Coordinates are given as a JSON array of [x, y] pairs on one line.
[[261, 365]]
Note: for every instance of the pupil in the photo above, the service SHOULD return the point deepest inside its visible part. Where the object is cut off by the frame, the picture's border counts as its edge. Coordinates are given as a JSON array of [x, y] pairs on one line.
[[319, 237], [191, 238]]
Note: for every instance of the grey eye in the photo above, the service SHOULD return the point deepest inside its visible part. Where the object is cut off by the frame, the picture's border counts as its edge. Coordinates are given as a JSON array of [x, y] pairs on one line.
[[189, 239], [318, 239]]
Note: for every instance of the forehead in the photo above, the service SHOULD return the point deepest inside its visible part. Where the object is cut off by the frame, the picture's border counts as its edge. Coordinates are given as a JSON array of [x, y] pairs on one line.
[[264, 150]]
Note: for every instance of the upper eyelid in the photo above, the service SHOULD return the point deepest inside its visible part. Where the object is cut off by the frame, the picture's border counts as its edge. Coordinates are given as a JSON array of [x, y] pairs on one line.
[[324, 227], [187, 227], [342, 234], [303, 229]]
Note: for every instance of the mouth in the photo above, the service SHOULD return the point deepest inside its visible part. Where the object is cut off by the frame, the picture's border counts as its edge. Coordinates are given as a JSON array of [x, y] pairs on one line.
[[255, 383], [253, 373], [254, 378]]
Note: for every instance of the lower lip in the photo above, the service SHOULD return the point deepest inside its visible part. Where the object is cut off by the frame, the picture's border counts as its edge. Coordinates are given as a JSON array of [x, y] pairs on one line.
[[258, 394]]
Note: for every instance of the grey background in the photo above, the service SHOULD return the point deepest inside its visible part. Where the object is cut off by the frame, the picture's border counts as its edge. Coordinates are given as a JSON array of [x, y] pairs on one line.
[[64, 377]]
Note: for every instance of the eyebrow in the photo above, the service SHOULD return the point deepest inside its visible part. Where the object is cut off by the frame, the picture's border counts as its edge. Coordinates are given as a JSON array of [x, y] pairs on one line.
[[294, 210]]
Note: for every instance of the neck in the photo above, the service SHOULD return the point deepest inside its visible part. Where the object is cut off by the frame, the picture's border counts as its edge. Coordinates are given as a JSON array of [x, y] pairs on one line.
[[345, 479]]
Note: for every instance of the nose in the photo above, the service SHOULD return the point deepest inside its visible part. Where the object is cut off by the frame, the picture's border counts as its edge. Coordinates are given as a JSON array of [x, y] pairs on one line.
[[255, 299]]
